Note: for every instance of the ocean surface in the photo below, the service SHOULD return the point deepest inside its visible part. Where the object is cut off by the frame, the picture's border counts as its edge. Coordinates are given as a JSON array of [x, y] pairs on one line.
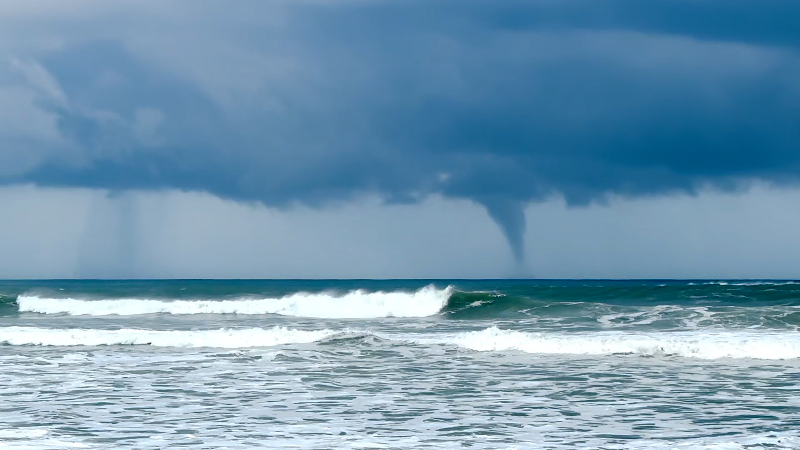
[[434, 364]]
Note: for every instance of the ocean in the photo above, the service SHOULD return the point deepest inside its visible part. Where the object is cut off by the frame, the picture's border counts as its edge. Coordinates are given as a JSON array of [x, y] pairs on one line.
[[400, 364]]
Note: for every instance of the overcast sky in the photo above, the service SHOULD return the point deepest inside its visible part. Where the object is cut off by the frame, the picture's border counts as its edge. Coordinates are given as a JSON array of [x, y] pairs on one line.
[[400, 138]]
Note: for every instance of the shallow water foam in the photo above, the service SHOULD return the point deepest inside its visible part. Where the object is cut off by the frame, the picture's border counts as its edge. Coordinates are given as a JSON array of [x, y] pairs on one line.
[[706, 344]]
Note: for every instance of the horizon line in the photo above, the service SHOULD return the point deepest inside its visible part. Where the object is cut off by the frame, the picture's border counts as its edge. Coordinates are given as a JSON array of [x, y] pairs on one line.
[[400, 279]]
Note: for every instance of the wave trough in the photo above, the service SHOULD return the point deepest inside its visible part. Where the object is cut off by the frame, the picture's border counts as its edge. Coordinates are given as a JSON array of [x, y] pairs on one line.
[[357, 304]]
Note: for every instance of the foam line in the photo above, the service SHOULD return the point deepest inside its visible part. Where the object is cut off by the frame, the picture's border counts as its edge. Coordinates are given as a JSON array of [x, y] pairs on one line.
[[697, 344], [220, 338]]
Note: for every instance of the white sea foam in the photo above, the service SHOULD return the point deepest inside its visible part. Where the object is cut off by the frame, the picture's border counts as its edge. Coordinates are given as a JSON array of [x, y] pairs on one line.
[[25, 433], [750, 283], [704, 345], [220, 338], [780, 440], [355, 304]]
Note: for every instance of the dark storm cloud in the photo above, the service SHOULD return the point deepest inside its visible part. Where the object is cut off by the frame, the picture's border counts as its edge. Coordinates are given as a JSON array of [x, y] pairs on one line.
[[502, 102]]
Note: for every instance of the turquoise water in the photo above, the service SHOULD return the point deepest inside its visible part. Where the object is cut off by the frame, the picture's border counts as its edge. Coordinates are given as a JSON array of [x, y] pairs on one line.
[[399, 364]]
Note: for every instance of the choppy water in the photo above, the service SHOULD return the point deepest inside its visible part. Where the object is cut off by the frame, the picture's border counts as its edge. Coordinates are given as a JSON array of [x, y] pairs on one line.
[[399, 364]]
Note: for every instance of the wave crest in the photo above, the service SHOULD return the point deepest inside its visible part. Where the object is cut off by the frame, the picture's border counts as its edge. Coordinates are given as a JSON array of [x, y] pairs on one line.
[[357, 304]]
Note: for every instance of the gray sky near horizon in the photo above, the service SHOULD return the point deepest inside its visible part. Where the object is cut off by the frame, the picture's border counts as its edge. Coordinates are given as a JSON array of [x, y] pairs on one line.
[[400, 138], [69, 233]]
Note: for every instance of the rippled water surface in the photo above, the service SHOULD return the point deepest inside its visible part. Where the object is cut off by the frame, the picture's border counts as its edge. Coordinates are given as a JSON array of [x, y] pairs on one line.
[[493, 364]]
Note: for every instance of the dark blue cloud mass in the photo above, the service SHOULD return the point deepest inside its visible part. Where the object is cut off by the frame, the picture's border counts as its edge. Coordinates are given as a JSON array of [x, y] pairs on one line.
[[503, 103]]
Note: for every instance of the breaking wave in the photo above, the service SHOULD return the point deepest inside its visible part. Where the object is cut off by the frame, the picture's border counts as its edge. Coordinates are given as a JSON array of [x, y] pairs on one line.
[[705, 345], [357, 304], [221, 338], [714, 345]]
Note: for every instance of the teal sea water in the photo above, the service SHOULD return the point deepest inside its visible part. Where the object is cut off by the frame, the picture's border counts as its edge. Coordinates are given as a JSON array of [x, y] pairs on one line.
[[405, 364]]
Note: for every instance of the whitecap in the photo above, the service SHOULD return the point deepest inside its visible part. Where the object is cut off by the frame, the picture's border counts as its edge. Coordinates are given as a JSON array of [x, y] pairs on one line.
[[357, 304]]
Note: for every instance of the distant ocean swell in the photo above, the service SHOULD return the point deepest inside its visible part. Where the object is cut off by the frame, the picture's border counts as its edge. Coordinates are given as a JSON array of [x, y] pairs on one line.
[[702, 345], [741, 305]]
